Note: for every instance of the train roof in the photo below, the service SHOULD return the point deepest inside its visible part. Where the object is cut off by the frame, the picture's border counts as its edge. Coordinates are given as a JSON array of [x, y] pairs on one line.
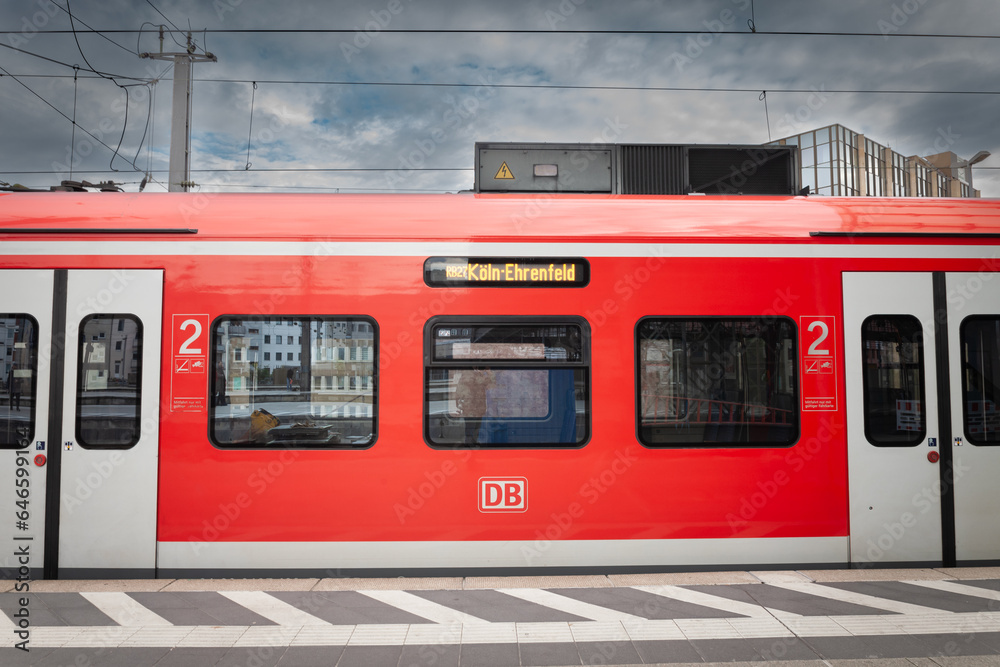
[[498, 217]]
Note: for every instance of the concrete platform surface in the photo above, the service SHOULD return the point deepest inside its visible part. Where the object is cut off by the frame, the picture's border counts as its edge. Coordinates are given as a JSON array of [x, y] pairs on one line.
[[478, 582], [849, 618]]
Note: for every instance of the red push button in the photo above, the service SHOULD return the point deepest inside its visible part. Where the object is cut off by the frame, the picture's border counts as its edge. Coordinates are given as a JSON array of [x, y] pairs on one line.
[[933, 457], [40, 460]]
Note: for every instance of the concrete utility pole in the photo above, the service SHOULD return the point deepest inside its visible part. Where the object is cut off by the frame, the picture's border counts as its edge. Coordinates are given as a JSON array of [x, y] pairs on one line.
[[180, 123]]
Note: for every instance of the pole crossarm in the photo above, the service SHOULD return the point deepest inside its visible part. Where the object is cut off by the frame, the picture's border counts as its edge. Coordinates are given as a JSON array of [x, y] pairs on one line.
[[193, 57]]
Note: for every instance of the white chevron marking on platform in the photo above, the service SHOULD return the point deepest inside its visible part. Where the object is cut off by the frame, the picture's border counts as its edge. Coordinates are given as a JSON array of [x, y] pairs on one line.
[[957, 588], [422, 607], [272, 608], [707, 600], [851, 597], [124, 611], [569, 605], [6, 625]]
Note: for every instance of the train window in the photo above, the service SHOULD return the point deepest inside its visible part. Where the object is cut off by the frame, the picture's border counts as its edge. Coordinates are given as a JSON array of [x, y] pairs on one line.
[[507, 382], [18, 365], [893, 362], [980, 349], [109, 377], [325, 398], [717, 382]]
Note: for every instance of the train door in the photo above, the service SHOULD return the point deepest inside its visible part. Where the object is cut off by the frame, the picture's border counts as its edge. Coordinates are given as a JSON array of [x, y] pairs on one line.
[[923, 383], [892, 434], [974, 366], [25, 332], [110, 424], [94, 393]]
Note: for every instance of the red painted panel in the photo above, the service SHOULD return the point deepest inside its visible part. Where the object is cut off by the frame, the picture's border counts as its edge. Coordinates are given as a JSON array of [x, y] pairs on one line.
[[401, 489]]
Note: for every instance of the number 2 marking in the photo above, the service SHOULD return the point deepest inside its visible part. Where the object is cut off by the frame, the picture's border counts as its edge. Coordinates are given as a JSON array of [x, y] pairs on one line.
[[814, 349], [197, 332]]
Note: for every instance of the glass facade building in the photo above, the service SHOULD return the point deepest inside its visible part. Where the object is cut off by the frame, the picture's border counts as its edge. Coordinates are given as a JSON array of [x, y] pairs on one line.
[[838, 161]]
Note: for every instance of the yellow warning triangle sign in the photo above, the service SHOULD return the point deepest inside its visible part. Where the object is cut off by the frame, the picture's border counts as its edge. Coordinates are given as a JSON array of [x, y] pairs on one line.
[[504, 173]]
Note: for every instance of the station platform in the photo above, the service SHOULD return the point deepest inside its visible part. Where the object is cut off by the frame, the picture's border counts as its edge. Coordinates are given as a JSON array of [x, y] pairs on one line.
[[948, 617]]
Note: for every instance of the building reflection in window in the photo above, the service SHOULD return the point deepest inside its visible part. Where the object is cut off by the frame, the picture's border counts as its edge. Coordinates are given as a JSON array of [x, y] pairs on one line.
[[294, 382], [109, 381], [18, 365]]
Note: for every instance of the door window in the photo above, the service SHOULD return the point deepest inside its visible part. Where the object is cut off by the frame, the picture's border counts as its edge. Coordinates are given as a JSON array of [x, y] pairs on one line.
[[18, 364], [109, 381], [980, 341], [893, 349]]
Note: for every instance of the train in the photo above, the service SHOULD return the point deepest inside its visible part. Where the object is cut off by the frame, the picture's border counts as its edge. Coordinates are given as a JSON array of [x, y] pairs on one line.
[[230, 385]]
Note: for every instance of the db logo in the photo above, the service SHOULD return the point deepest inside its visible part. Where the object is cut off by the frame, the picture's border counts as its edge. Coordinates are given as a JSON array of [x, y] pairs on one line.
[[503, 494]]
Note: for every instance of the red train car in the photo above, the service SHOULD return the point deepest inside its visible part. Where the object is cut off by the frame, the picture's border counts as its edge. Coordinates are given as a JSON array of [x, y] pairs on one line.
[[330, 385]]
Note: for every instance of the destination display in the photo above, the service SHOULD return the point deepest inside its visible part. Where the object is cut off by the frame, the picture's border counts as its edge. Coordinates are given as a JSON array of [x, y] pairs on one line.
[[506, 272]]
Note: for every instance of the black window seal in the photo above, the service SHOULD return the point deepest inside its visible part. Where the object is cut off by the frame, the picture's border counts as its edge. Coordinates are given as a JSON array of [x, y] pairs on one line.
[[475, 320], [33, 356], [923, 382], [797, 397], [278, 317], [140, 330], [965, 394]]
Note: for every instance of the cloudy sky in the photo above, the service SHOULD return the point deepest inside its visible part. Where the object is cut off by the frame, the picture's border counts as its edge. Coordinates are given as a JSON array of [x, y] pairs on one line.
[[324, 118]]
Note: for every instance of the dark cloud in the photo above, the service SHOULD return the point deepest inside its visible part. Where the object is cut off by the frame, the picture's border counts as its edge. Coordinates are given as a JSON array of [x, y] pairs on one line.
[[408, 128]]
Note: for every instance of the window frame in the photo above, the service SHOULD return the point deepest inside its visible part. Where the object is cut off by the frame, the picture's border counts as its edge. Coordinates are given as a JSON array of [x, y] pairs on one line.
[[297, 319], [33, 397], [796, 392], [973, 440], [866, 391], [137, 349], [585, 364]]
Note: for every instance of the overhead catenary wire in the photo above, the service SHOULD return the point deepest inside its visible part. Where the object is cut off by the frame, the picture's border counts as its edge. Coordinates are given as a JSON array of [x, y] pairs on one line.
[[695, 89], [165, 17], [318, 188], [80, 48], [54, 108], [96, 32], [81, 73], [253, 95], [449, 84], [337, 169], [102, 75], [322, 187], [446, 84], [549, 86], [4, 72], [266, 169], [541, 31], [149, 115], [767, 118], [124, 88], [152, 133], [72, 141], [176, 29]]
